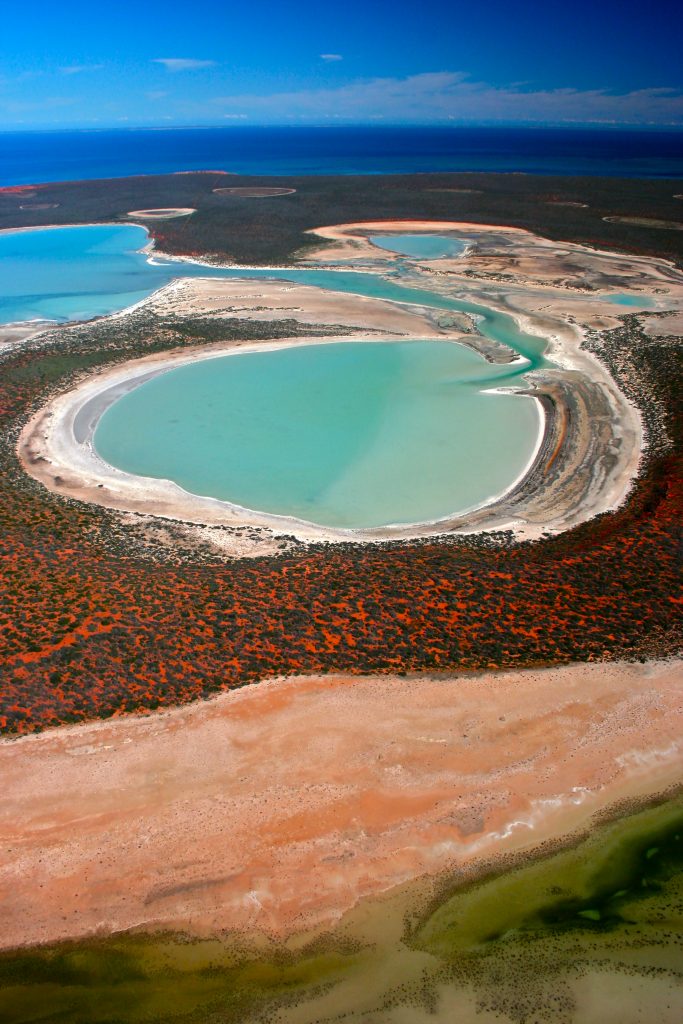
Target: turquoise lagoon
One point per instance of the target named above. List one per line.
(350, 435)
(77, 273)
(624, 299)
(344, 434)
(421, 247)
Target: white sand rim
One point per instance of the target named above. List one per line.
(255, 192)
(166, 213)
(70, 464)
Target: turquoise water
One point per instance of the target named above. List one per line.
(425, 247)
(77, 273)
(349, 434)
(74, 273)
(624, 299)
(387, 435)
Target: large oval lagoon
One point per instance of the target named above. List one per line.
(345, 435)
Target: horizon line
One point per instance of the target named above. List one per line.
(671, 127)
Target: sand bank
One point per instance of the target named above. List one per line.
(264, 299)
(276, 808)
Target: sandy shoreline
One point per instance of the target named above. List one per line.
(593, 441)
(57, 448)
(276, 808)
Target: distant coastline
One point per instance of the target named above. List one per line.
(51, 156)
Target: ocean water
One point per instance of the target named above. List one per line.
(420, 247)
(350, 434)
(32, 157)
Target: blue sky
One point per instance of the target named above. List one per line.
(150, 63)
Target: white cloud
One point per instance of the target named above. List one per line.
(452, 96)
(183, 63)
(330, 57)
(156, 94)
(30, 106)
(77, 69)
(235, 117)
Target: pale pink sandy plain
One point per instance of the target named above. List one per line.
(278, 807)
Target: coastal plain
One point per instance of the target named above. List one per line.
(429, 709)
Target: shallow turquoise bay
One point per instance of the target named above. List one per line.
(74, 273)
(346, 435)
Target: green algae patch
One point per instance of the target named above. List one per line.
(157, 978)
(557, 940)
(592, 884)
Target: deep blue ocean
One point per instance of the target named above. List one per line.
(32, 157)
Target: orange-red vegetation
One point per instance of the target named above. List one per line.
(92, 626)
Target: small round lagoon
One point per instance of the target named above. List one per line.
(626, 299)
(346, 435)
(421, 247)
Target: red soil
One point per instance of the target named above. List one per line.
(89, 629)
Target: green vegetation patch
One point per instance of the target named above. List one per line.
(156, 978)
(524, 945)
(596, 884)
